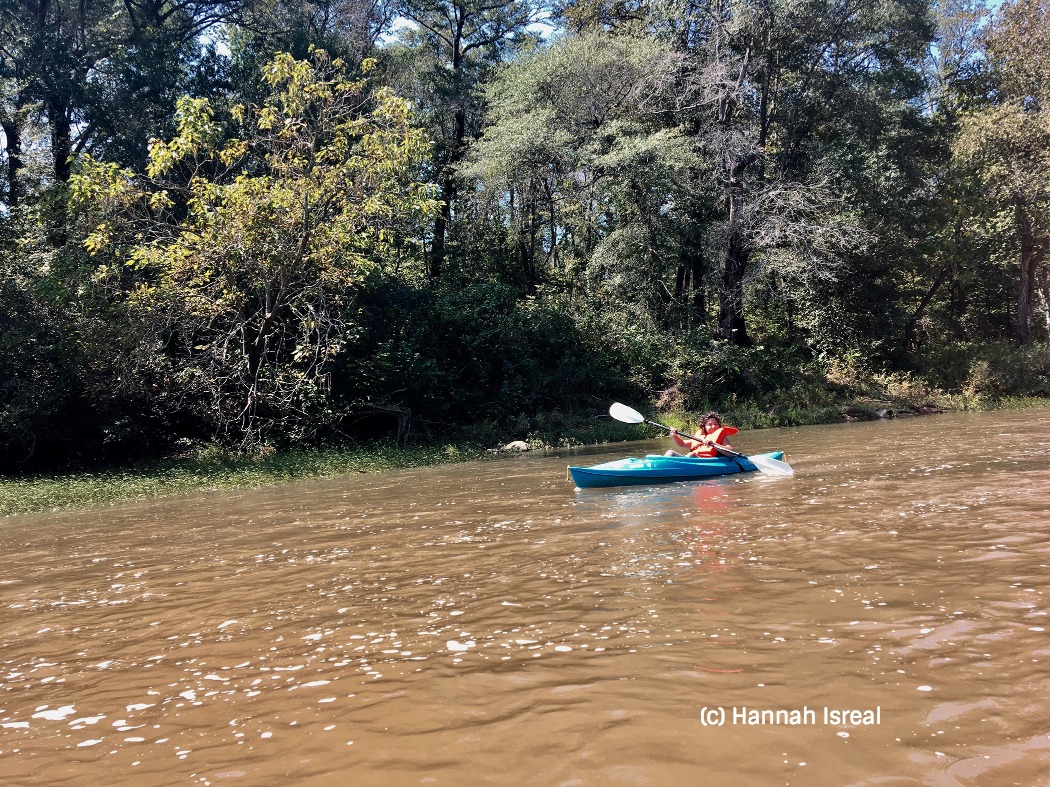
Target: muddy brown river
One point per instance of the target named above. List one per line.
(878, 619)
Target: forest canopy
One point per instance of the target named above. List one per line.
(296, 221)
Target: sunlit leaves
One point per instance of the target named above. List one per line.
(1006, 142)
(1008, 139)
(256, 243)
(197, 133)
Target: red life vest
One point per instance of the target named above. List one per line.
(720, 436)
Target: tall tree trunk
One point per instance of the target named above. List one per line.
(731, 324)
(448, 197)
(552, 266)
(698, 299)
(1033, 249)
(58, 117)
(526, 234)
(61, 138)
(1044, 292)
(436, 263)
(689, 281)
(12, 128)
(660, 294)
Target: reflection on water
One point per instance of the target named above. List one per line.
(487, 623)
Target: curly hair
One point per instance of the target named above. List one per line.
(707, 417)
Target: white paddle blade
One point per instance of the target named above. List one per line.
(772, 466)
(622, 412)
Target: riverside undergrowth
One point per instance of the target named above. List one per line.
(213, 468)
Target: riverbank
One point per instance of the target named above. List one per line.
(212, 469)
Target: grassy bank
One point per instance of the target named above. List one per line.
(212, 469)
(207, 471)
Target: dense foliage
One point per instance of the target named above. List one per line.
(298, 221)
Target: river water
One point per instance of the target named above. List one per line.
(485, 623)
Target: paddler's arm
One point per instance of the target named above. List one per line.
(685, 442)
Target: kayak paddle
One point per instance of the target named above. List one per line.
(622, 412)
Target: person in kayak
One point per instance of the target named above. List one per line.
(704, 440)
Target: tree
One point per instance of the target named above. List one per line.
(347, 29)
(451, 48)
(101, 70)
(727, 154)
(247, 252)
(580, 167)
(1007, 143)
(16, 110)
(792, 93)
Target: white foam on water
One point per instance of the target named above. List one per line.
(57, 714)
(88, 720)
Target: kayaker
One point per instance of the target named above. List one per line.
(704, 440)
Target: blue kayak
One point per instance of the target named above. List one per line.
(654, 469)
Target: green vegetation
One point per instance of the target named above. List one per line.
(211, 470)
(285, 229)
